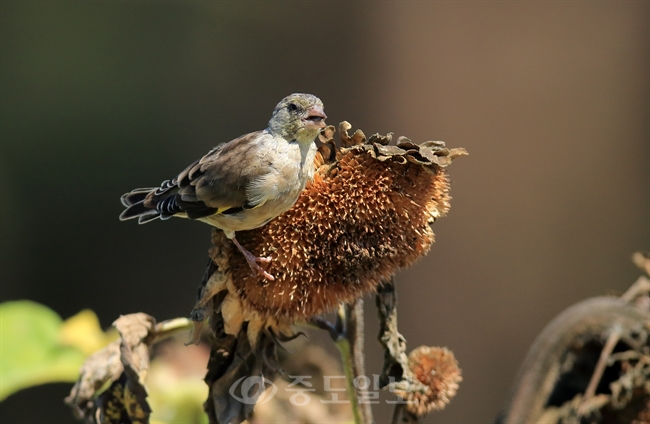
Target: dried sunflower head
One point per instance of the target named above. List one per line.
(436, 369)
(366, 214)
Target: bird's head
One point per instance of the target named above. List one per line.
(298, 117)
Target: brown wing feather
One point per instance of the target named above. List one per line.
(220, 178)
(216, 183)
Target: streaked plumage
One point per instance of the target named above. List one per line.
(244, 183)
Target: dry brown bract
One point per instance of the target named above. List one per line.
(366, 214)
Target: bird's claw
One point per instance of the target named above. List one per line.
(254, 261)
(268, 276)
(259, 270)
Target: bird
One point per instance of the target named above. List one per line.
(244, 183)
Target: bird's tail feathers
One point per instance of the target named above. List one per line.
(136, 208)
(148, 204)
(136, 196)
(149, 215)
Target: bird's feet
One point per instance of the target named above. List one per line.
(254, 261)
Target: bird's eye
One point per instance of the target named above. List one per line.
(292, 107)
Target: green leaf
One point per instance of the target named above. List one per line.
(32, 352)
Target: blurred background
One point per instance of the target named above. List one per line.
(551, 99)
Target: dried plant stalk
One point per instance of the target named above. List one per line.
(426, 379)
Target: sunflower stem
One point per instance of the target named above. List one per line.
(350, 344)
(171, 327)
(344, 347)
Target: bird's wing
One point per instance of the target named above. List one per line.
(220, 179)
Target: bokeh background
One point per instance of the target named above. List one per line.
(551, 99)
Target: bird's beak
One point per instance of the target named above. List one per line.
(315, 117)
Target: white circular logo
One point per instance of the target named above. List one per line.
(252, 388)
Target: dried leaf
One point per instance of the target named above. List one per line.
(389, 150)
(238, 374)
(384, 140)
(346, 141)
(110, 388)
(459, 151)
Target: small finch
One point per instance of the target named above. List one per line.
(244, 183)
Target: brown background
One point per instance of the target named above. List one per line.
(550, 98)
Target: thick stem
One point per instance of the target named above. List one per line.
(170, 328)
(346, 355)
(354, 334)
(395, 359)
(350, 344)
